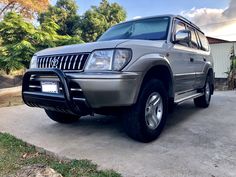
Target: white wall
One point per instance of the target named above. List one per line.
(221, 55)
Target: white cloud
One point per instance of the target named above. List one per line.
(137, 17)
(220, 23)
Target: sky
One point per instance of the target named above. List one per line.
(217, 18)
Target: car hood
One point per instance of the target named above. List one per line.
(80, 48)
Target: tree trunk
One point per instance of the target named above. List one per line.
(8, 71)
(232, 80)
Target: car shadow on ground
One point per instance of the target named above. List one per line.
(113, 126)
(181, 113)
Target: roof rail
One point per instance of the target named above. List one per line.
(188, 21)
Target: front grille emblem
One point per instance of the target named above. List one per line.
(54, 62)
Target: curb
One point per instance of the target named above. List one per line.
(47, 152)
(42, 150)
(10, 90)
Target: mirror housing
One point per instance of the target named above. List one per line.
(183, 37)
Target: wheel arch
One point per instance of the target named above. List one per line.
(153, 66)
(210, 74)
(164, 74)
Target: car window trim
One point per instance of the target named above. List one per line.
(202, 48)
(192, 29)
(174, 30)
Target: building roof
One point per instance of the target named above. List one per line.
(213, 40)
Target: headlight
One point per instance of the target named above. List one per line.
(100, 60)
(107, 60)
(33, 62)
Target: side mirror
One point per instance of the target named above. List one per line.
(183, 37)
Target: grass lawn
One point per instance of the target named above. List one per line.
(15, 154)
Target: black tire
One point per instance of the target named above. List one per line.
(135, 122)
(62, 117)
(171, 105)
(204, 100)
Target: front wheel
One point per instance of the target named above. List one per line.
(62, 117)
(146, 119)
(204, 100)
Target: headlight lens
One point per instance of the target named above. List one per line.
(100, 60)
(33, 62)
(103, 60)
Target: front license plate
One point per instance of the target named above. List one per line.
(49, 87)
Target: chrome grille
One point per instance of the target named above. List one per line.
(63, 62)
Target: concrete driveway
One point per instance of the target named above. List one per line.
(195, 142)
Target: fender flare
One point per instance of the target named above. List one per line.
(146, 63)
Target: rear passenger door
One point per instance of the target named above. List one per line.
(202, 59)
(196, 56)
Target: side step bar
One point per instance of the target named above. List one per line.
(188, 97)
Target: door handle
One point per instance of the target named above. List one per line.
(204, 59)
(191, 59)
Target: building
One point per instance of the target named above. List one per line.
(221, 52)
(212, 40)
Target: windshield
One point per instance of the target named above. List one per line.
(147, 29)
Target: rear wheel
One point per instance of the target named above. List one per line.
(146, 119)
(62, 117)
(204, 100)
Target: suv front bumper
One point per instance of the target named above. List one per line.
(80, 93)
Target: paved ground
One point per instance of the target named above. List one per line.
(195, 142)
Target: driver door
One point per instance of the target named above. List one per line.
(181, 62)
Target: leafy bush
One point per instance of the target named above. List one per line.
(60, 25)
(21, 39)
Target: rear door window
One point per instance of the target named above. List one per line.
(194, 42)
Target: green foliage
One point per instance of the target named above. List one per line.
(233, 63)
(47, 36)
(93, 25)
(14, 155)
(14, 28)
(59, 25)
(17, 48)
(21, 39)
(64, 13)
(99, 19)
(232, 70)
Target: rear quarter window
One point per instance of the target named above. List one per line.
(204, 41)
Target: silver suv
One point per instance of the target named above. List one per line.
(140, 68)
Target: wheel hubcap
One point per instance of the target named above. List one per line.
(207, 91)
(154, 110)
